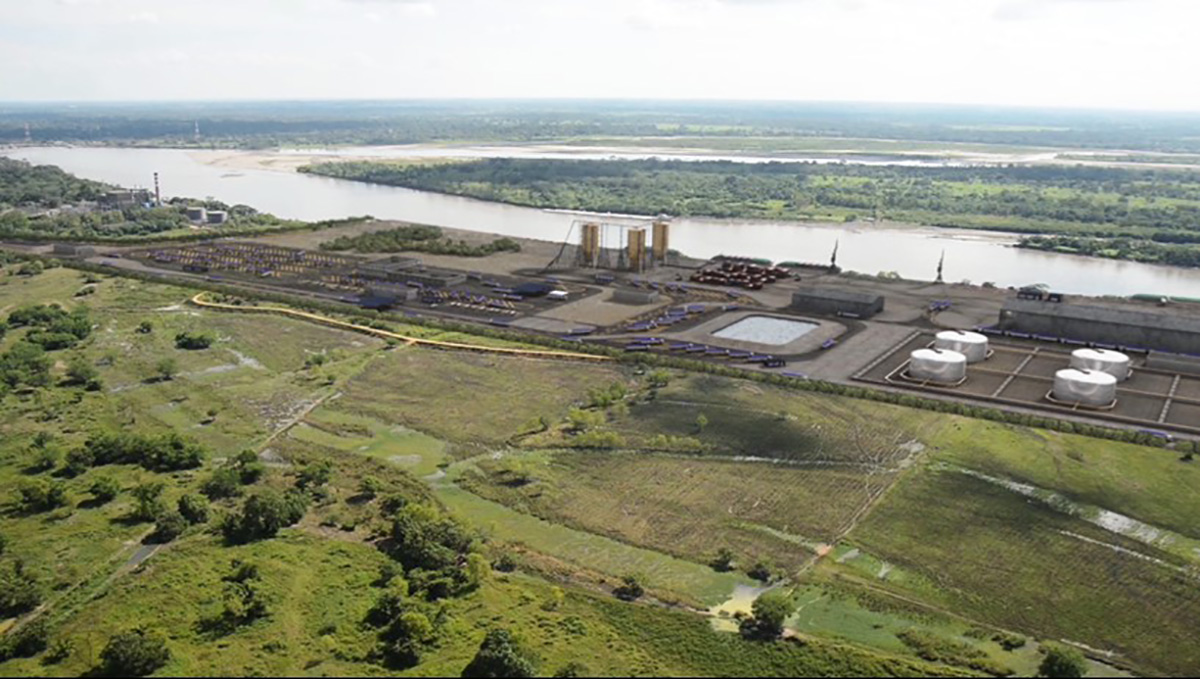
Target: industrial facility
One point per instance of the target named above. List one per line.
(1123, 362)
(1108, 324)
(838, 302)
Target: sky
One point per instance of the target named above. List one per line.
(1130, 54)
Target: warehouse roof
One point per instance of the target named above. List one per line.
(1170, 320)
(838, 295)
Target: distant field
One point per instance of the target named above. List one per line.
(473, 398)
(784, 144)
(1022, 565)
(688, 506)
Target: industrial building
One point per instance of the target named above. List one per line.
(635, 296)
(217, 216)
(396, 268)
(73, 250)
(837, 302)
(122, 198)
(197, 215)
(1104, 324)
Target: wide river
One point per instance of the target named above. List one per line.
(911, 251)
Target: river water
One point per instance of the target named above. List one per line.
(911, 251)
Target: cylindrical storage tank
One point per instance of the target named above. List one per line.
(937, 365)
(970, 344)
(1101, 360)
(1087, 387)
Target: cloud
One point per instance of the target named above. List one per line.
(1020, 10)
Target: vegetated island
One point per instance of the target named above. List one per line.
(1156, 206)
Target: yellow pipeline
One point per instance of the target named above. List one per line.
(199, 300)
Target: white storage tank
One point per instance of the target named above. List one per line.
(937, 365)
(970, 344)
(1086, 387)
(1101, 360)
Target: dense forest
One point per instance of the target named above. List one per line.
(1162, 205)
(264, 124)
(43, 185)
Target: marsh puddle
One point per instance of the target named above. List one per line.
(1110, 521)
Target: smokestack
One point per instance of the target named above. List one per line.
(157, 194)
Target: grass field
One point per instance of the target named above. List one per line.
(1149, 484)
(474, 399)
(1023, 565)
(686, 506)
(930, 539)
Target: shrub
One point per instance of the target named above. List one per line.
(25, 642)
(105, 489)
(45, 459)
(193, 340)
(769, 611)
(194, 508)
(166, 369)
(19, 591)
(135, 653)
(723, 562)
(222, 483)
(629, 589)
(149, 498)
(314, 475)
(263, 515)
(169, 526)
(500, 655)
(1062, 661)
(760, 571)
(249, 468)
(37, 495)
(79, 461)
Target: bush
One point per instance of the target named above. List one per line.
(1062, 661)
(79, 461)
(81, 372)
(760, 571)
(223, 483)
(26, 641)
(166, 369)
(194, 508)
(370, 486)
(193, 340)
(45, 459)
(19, 591)
(723, 562)
(135, 653)
(105, 489)
(500, 655)
(248, 467)
(170, 525)
(263, 515)
(629, 589)
(769, 611)
(314, 475)
(149, 498)
(38, 495)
